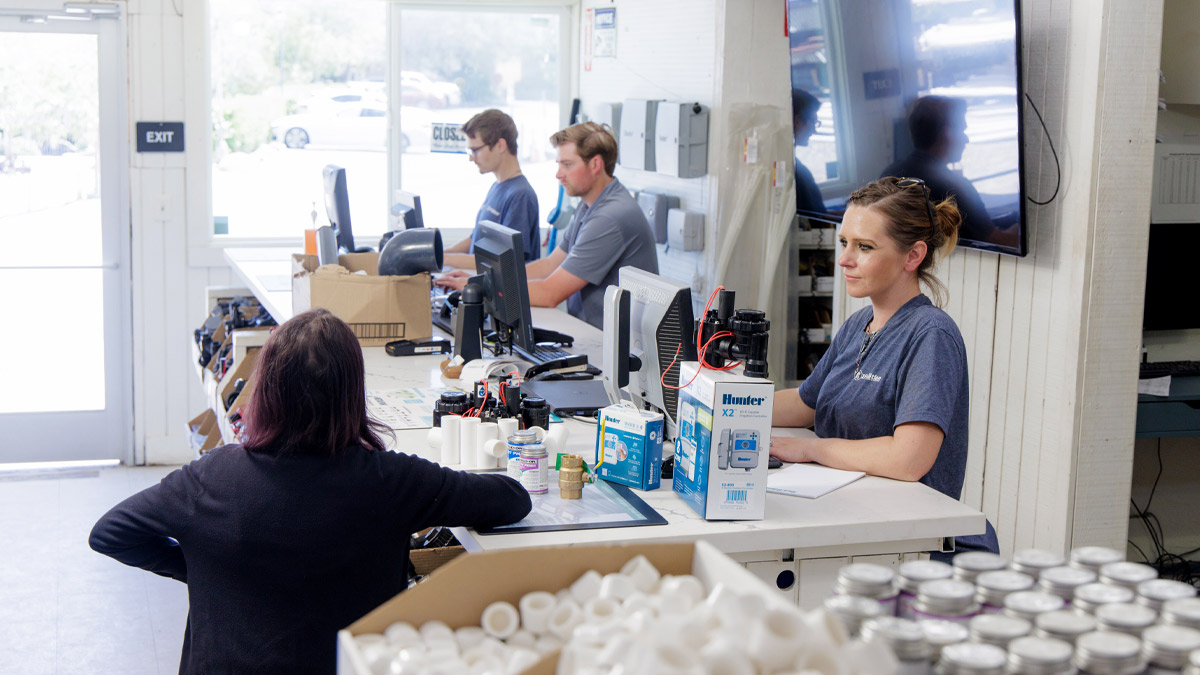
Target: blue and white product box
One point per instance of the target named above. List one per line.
(724, 443)
(629, 446)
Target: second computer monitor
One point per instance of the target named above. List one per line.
(662, 335)
(500, 260)
(405, 214)
(337, 206)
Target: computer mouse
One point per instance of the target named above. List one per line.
(774, 463)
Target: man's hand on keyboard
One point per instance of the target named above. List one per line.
(453, 280)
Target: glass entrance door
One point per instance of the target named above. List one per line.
(65, 391)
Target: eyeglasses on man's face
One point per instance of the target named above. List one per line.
(473, 150)
(909, 182)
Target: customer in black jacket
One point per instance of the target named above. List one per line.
(304, 528)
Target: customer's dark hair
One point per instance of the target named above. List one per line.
(309, 393)
(804, 104)
(590, 139)
(490, 126)
(930, 115)
(908, 221)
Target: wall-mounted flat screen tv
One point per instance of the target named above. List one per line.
(924, 89)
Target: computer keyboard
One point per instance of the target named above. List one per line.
(1172, 368)
(547, 353)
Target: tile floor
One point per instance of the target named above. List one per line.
(66, 609)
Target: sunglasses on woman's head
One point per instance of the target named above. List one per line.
(909, 182)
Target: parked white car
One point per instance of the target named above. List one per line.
(418, 89)
(355, 126)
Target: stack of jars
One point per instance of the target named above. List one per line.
(1038, 614)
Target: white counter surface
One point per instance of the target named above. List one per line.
(871, 515)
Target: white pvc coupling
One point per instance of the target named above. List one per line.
(500, 620)
(536, 608)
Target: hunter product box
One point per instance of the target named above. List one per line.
(380, 309)
(629, 445)
(724, 442)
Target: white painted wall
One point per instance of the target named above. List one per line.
(1053, 337)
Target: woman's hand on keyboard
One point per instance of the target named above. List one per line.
(453, 280)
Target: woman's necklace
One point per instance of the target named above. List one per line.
(868, 339)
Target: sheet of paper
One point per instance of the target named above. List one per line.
(1155, 386)
(404, 408)
(809, 480)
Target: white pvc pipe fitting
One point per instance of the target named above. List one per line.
(556, 440)
(500, 620)
(586, 587)
(496, 449)
(644, 574)
(565, 617)
(777, 638)
(468, 441)
(522, 638)
(487, 432)
(601, 610)
(451, 425)
(616, 586)
(507, 425)
(536, 608)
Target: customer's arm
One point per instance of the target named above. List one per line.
(907, 454)
(430, 495)
(544, 267)
(138, 531)
(457, 256)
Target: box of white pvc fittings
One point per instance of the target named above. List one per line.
(458, 592)
(724, 439)
(629, 446)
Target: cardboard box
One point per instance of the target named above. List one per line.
(724, 439)
(629, 446)
(380, 309)
(458, 592)
(199, 428)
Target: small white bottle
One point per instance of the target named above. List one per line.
(1125, 617)
(1094, 557)
(971, 564)
(1032, 561)
(1066, 625)
(1062, 581)
(912, 575)
(906, 640)
(970, 658)
(869, 581)
(1029, 604)
(1106, 653)
(992, 587)
(1127, 574)
(998, 629)
(948, 599)
(1156, 592)
(1039, 656)
(1166, 648)
(1182, 612)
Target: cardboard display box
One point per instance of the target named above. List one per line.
(724, 438)
(458, 592)
(380, 309)
(202, 430)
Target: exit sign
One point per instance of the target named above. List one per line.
(160, 136)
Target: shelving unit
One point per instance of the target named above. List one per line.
(812, 261)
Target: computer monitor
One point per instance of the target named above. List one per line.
(500, 261)
(662, 335)
(337, 206)
(405, 214)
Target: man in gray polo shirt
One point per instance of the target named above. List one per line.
(609, 230)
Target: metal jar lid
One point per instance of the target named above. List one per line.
(1090, 596)
(1029, 604)
(969, 658)
(946, 597)
(903, 636)
(1125, 617)
(1094, 557)
(1168, 646)
(939, 633)
(998, 629)
(992, 587)
(523, 437)
(1032, 561)
(1108, 653)
(852, 610)
(1182, 612)
(968, 565)
(914, 572)
(1127, 573)
(867, 580)
(1156, 592)
(1062, 581)
(1032, 655)
(1064, 624)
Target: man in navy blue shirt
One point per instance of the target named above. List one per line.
(492, 146)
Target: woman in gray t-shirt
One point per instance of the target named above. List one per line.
(890, 396)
